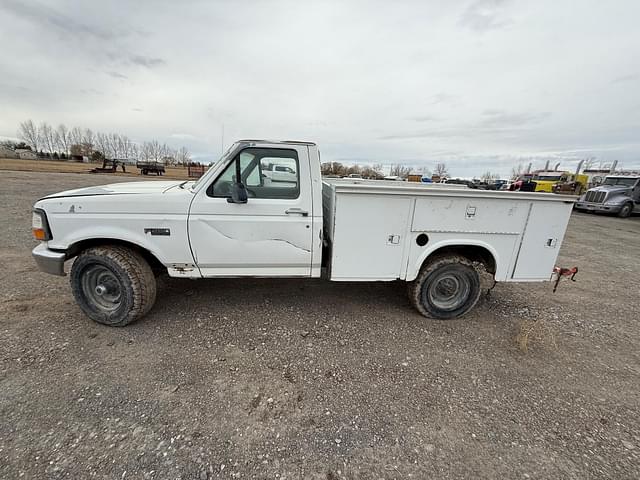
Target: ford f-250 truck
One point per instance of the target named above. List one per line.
(238, 221)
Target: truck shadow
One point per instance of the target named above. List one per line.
(308, 294)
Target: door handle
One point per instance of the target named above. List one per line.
(298, 211)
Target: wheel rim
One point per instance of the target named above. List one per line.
(449, 290)
(101, 286)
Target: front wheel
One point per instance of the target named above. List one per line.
(446, 288)
(113, 285)
(626, 210)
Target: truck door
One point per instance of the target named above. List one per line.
(271, 234)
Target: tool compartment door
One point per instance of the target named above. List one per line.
(541, 240)
(369, 236)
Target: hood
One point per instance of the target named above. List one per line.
(129, 188)
(611, 188)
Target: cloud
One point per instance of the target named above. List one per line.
(465, 82)
(492, 121)
(499, 119)
(45, 16)
(144, 61)
(134, 59)
(424, 118)
(443, 97)
(484, 15)
(626, 78)
(117, 75)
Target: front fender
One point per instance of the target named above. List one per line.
(172, 248)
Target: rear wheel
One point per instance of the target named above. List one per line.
(113, 285)
(626, 210)
(446, 288)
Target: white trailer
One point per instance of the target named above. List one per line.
(234, 222)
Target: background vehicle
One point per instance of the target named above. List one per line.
(560, 182)
(110, 166)
(619, 194)
(150, 167)
(236, 221)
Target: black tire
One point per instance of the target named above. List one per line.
(447, 287)
(626, 210)
(113, 285)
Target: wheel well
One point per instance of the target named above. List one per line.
(75, 249)
(474, 253)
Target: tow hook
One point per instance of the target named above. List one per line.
(559, 272)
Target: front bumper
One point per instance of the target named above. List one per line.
(49, 261)
(597, 207)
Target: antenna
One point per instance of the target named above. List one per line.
(222, 140)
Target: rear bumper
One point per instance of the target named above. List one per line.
(597, 207)
(49, 261)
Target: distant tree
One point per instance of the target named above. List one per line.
(87, 140)
(28, 133)
(182, 155)
(63, 156)
(370, 172)
(517, 171)
(354, 170)
(97, 156)
(101, 143)
(48, 136)
(11, 145)
(75, 136)
(56, 156)
(76, 150)
(441, 170)
(401, 171)
(489, 177)
(62, 138)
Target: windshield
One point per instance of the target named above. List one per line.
(548, 178)
(627, 182)
(222, 159)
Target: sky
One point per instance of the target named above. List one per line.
(481, 85)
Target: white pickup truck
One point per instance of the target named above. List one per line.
(234, 222)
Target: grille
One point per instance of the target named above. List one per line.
(595, 197)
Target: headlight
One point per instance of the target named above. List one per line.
(39, 225)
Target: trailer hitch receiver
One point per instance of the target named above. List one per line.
(559, 272)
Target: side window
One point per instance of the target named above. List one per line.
(266, 172)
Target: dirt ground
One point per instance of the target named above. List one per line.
(12, 164)
(292, 379)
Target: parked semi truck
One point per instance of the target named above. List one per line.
(619, 194)
(235, 222)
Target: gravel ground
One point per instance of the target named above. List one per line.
(309, 379)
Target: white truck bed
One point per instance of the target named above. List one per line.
(371, 228)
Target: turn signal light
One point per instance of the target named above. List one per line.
(39, 234)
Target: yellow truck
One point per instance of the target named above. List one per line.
(560, 182)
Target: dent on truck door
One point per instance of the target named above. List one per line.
(271, 234)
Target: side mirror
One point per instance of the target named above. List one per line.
(238, 193)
